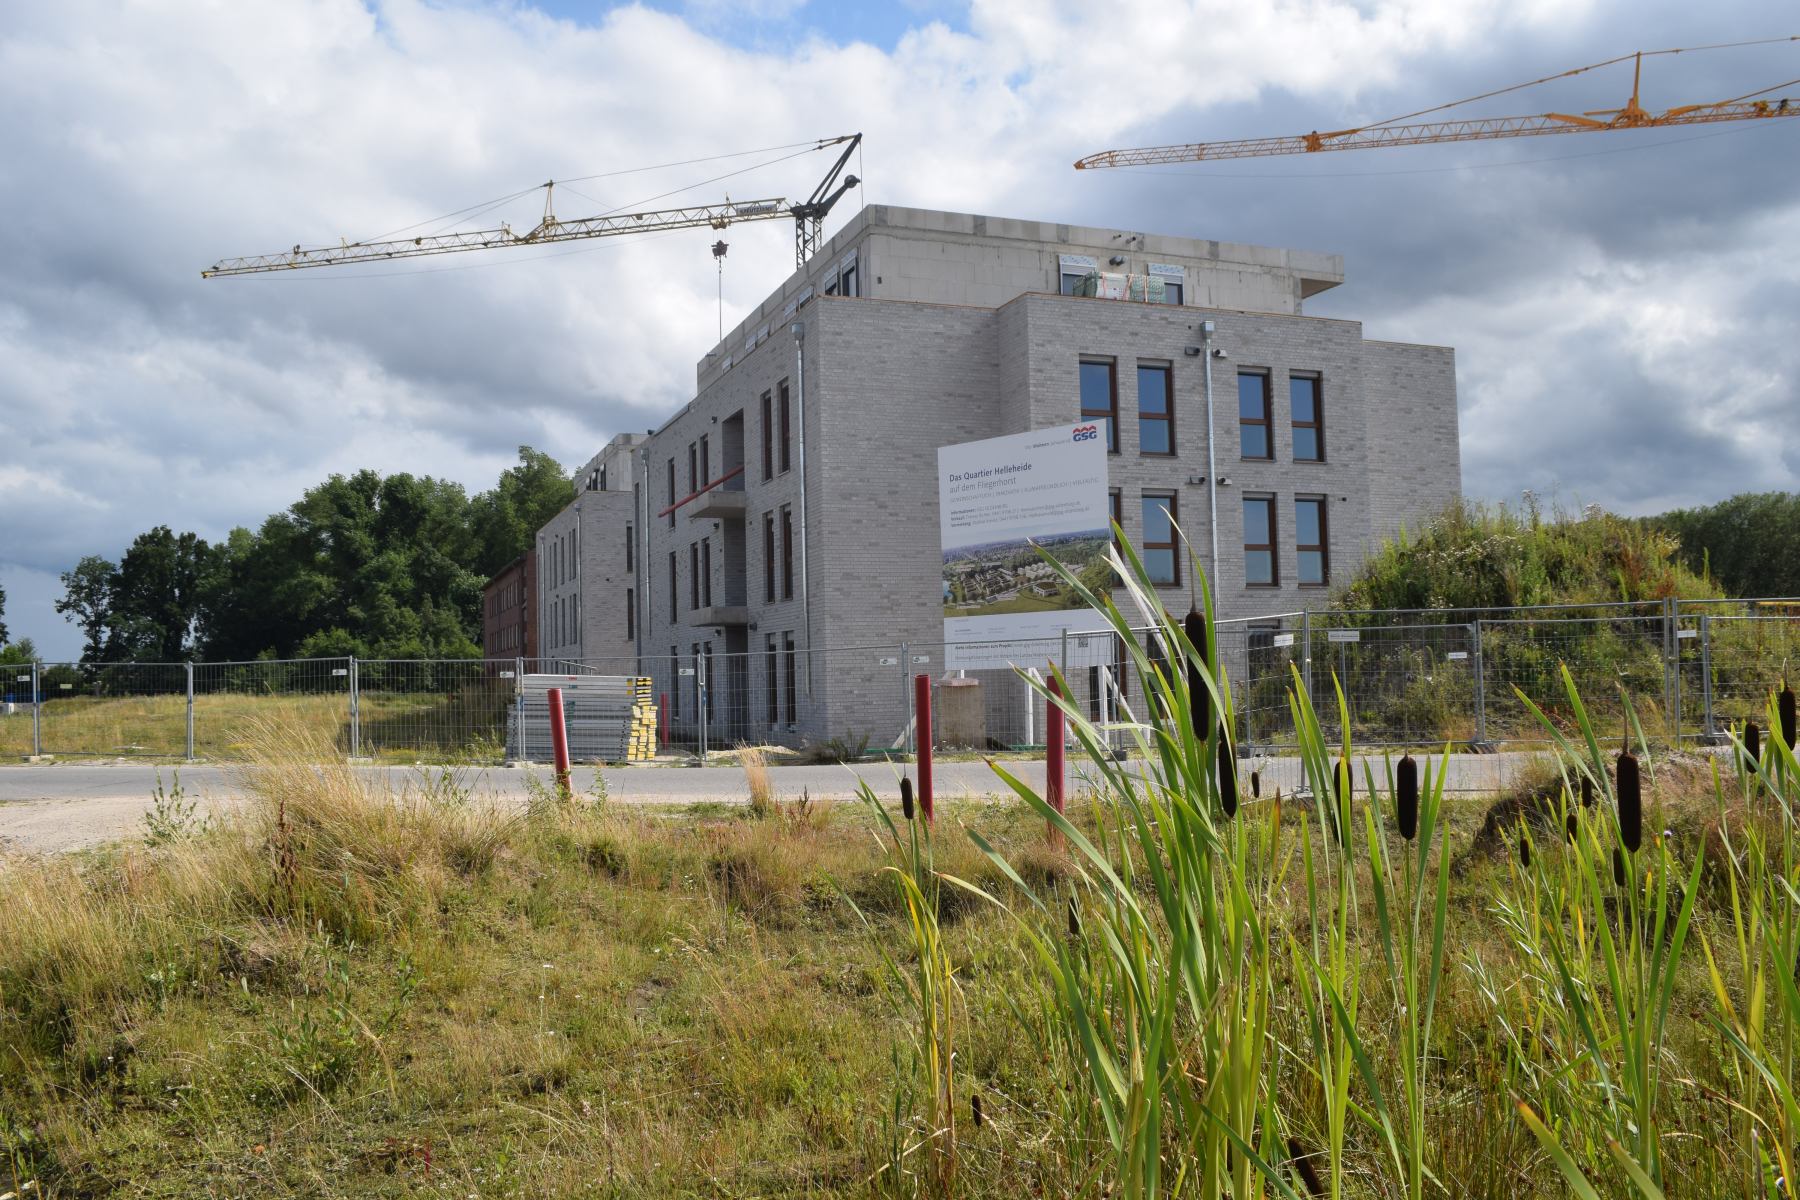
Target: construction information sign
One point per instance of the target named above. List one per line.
(999, 502)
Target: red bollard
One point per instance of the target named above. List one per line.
(922, 723)
(1054, 768)
(559, 741)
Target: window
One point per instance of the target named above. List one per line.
(600, 479)
(1100, 400)
(705, 572)
(630, 617)
(705, 464)
(1253, 417)
(693, 468)
(1171, 277)
(672, 496)
(768, 434)
(629, 557)
(693, 574)
(1309, 422)
(793, 674)
(769, 557)
(1161, 562)
(787, 554)
(1259, 541)
(674, 693)
(674, 593)
(786, 427)
(1073, 268)
(1156, 411)
(1172, 292)
(1115, 502)
(774, 672)
(1309, 541)
(849, 284)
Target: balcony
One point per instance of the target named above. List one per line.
(720, 614)
(718, 505)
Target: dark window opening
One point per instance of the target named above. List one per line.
(1161, 562)
(793, 674)
(769, 557)
(1100, 400)
(768, 435)
(672, 496)
(1259, 541)
(786, 427)
(1253, 417)
(774, 672)
(630, 616)
(674, 591)
(629, 552)
(1313, 563)
(1156, 411)
(787, 554)
(705, 572)
(1309, 422)
(693, 575)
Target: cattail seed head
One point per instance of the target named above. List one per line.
(1569, 827)
(1784, 707)
(975, 1109)
(1524, 850)
(1228, 791)
(906, 800)
(1256, 785)
(1342, 779)
(1199, 699)
(1618, 866)
(1074, 920)
(1631, 803)
(1406, 800)
(1753, 741)
(1301, 1158)
(1587, 792)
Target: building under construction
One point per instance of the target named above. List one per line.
(780, 541)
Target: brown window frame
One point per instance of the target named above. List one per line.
(787, 427)
(787, 554)
(1323, 547)
(630, 616)
(674, 590)
(705, 462)
(693, 576)
(769, 558)
(630, 550)
(693, 467)
(768, 434)
(1267, 422)
(706, 572)
(774, 651)
(793, 676)
(1271, 546)
(674, 692)
(1317, 424)
(1166, 417)
(1173, 546)
(1109, 415)
(672, 496)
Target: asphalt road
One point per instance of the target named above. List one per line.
(50, 807)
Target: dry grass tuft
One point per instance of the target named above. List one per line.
(755, 761)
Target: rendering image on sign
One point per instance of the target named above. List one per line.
(999, 502)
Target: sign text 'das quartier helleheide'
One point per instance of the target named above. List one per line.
(1001, 500)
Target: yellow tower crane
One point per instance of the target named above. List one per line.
(1749, 107)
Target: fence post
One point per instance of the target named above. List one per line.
(1306, 651)
(559, 741)
(355, 713)
(1706, 697)
(1480, 691)
(700, 703)
(922, 723)
(190, 711)
(1671, 674)
(519, 706)
(37, 708)
(1054, 768)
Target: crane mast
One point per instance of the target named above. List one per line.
(809, 221)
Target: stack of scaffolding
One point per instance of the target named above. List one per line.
(608, 718)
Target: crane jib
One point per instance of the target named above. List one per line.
(1437, 132)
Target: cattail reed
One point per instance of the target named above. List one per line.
(1587, 792)
(1524, 848)
(975, 1109)
(1570, 828)
(1256, 785)
(1074, 920)
(1301, 1158)
(1784, 707)
(1631, 803)
(1199, 699)
(1618, 866)
(1341, 777)
(1753, 741)
(1406, 802)
(1228, 787)
(906, 801)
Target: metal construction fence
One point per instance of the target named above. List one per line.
(1687, 671)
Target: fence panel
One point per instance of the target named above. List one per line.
(1749, 657)
(1609, 658)
(102, 708)
(310, 698)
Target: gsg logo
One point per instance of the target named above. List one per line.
(1087, 433)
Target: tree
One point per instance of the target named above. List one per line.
(1750, 543)
(506, 520)
(87, 602)
(155, 596)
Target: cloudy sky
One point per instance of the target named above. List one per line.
(1622, 304)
